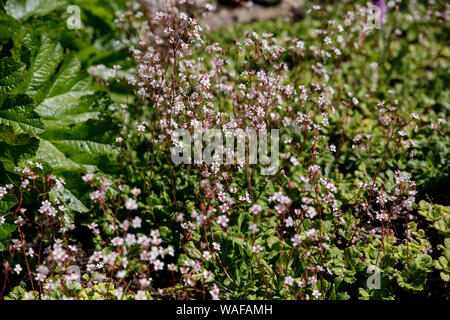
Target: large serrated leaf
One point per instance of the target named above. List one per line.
(11, 74)
(72, 106)
(38, 78)
(74, 133)
(23, 9)
(18, 112)
(70, 79)
(77, 137)
(55, 114)
(14, 148)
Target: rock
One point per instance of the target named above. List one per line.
(258, 12)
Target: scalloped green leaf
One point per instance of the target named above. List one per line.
(424, 261)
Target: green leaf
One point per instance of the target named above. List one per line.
(241, 220)
(17, 111)
(14, 148)
(71, 119)
(445, 276)
(11, 74)
(23, 9)
(6, 230)
(343, 296)
(74, 133)
(432, 212)
(5, 206)
(8, 26)
(70, 79)
(441, 263)
(424, 261)
(447, 242)
(77, 145)
(438, 214)
(38, 78)
(68, 198)
(273, 243)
